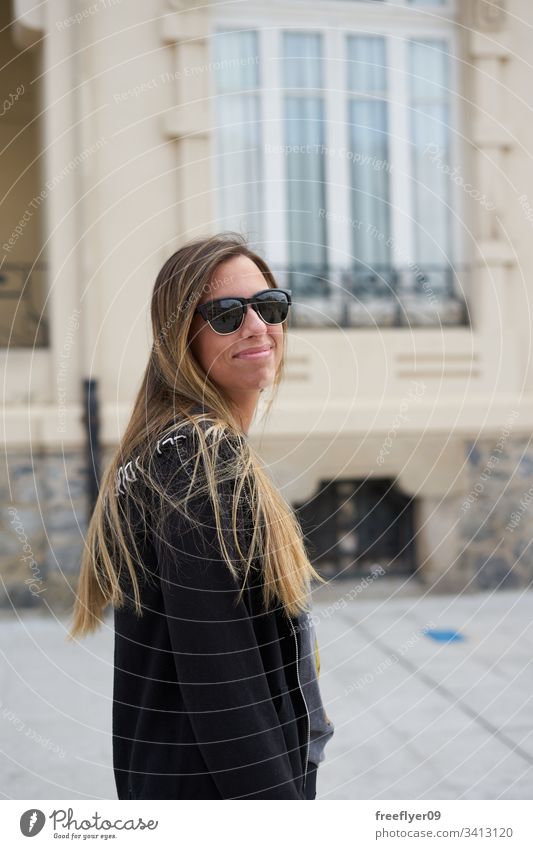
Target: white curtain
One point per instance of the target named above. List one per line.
(304, 127)
(238, 133)
(368, 150)
(430, 136)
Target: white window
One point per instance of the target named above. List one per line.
(335, 142)
(368, 137)
(304, 116)
(238, 156)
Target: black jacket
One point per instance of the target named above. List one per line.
(207, 702)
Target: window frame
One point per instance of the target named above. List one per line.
(399, 22)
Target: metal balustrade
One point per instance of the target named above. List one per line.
(359, 296)
(22, 324)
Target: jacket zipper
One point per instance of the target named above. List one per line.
(305, 703)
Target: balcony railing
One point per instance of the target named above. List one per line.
(428, 296)
(22, 324)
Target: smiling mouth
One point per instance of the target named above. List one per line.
(254, 355)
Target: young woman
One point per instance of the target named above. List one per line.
(216, 663)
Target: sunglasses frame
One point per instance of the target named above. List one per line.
(244, 302)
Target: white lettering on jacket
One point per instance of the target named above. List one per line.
(126, 473)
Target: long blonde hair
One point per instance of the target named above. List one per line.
(173, 388)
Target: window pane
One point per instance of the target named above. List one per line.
(367, 125)
(429, 70)
(236, 60)
(367, 64)
(237, 111)
(368, 146)
(304, 116)
(430, 129)
(302, 65)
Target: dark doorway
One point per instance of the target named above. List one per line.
(351, 525)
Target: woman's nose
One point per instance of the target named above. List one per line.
(253, 323)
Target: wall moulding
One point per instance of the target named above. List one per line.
(28, 23)
(185, 20)
(183, 5)
(487, 15)
(187, 26)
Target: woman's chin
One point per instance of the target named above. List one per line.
(255, 379)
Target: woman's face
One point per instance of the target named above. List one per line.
(223, 357)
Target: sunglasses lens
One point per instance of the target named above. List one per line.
(273, 307)
(225, 316)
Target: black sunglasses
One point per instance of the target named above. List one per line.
(225, 315)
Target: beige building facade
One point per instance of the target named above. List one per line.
(412, 404)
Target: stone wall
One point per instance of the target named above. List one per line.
(496, 527)
(43, 521)
(479, 540)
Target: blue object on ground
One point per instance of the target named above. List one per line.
(443, 636)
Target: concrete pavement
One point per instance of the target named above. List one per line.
(414, 718)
